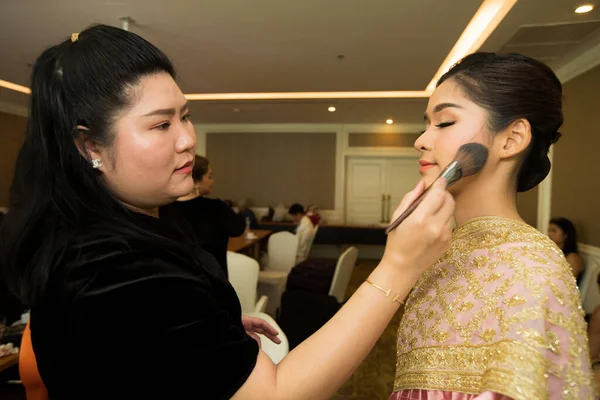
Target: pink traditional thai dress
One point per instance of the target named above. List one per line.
(497, 317)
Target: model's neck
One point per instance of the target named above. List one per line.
(485, 200)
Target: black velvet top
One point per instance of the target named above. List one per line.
(211, 221)
(132, 321)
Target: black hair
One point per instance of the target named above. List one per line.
(295, 209)
(56, 196)
(568, 228)
(201, 165)
(513, 86)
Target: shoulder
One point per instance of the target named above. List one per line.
(109, 267)
(574, 258)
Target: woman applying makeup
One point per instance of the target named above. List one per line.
(499, 315)
(123, 305)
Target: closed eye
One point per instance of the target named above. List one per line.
(444, 124)
(163, 127)
(186, 117)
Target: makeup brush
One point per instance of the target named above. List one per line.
(469, 160)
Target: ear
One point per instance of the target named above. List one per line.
(515, 139)
(88, 149)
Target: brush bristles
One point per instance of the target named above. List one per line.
(471, 157)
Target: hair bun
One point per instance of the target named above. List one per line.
(533, 172)
(555, 138)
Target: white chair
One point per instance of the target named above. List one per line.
(305, 244)
(281, 258)
(590, 293)
(343, 272)
(276, 352)
(243, 276)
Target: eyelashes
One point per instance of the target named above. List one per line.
(441, 125)
(166, 125)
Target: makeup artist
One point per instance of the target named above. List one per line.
(121, 307)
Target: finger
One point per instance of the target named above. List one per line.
(273, 338)
(433, 201)
(408, 199)
(266, 332)
(446, 211)
(247, 322)
(267, 328)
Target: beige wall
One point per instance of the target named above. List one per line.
(576, 176)
(12, 132)
(527, 203)
(273, 168)
(382, 139)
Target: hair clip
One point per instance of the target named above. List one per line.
(74, 37)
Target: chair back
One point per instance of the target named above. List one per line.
(306, 244)
(590, 293)
(281, 250)
(342, 274)
(243, 276)
(28, 371)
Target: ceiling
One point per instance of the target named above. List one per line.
(272, 46)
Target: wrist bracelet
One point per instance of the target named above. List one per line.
(387, 292)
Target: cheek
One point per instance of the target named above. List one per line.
(145, 155)
(449, 140)
(446, 146)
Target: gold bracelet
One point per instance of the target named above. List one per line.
(387, 292)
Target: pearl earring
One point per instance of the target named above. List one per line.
(96, 163)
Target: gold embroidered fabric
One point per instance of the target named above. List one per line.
(500, 312)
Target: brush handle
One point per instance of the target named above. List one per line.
(406, 212)
(451, 174)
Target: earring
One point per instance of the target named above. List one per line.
(96, 163)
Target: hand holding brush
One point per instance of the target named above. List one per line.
(469, 160)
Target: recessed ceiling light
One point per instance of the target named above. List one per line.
(389, 121)
(584, 9)
(331, 109)
(236, 110)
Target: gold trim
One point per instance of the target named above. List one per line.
(475, 369)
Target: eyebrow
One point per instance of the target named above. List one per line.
(440, 107)
(167, 111)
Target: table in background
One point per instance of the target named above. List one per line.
(8, 361)
(240, 244)
(337, 234)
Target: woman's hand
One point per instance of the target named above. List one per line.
(254, 325)
(425, 235)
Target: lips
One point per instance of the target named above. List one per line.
(187, 164)
(185, 169)
(425, 165)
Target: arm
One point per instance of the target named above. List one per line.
(233, 224)
(319, 366)
(594, 334)
(576, 264)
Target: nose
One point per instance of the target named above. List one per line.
(186, 139)
(424, 142)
